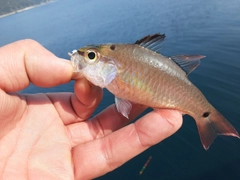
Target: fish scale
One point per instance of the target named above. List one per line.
(139, 73)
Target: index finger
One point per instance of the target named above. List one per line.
(27, 61)
(105, 154)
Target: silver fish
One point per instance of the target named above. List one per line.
(139, 73)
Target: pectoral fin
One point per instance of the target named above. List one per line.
(108, 73)
(123, 106)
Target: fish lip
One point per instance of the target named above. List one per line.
(76, 60)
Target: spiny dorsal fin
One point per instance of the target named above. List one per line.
(187, 62)
(152, 42)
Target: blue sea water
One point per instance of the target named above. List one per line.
(210, 28)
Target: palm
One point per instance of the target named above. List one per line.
(38, 145)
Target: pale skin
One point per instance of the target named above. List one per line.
(50, 136)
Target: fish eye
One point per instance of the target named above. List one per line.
(91, 55)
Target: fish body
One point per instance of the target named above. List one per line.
(139, 73)
(155, 81)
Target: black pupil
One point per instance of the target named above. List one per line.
(91, 55)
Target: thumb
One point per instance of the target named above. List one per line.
(26, 61)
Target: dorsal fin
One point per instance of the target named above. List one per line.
(187, 62)
(152, 42)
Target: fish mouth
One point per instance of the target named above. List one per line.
(77, 60)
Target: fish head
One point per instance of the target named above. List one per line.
(92, 61)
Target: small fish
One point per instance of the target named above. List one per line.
(138, 73)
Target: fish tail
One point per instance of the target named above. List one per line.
(212, 124)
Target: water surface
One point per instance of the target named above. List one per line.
(210, 28)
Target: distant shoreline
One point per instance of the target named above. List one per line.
(25, 9)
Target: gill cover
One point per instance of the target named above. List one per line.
(89, 62)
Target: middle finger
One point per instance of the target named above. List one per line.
(104, 123)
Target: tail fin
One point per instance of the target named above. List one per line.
(213, 124)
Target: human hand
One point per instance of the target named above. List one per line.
(47, 136)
